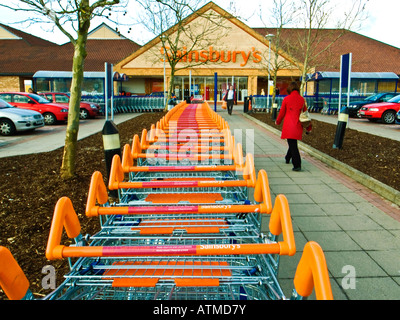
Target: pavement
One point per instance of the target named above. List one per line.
(358, 230)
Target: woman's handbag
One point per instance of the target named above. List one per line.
(305, 119)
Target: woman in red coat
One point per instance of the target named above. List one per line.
(292, 129)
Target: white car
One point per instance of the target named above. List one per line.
(198, 97)
(13, 119)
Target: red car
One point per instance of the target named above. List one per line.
(385, 111)
(52, 112)
(88, 110)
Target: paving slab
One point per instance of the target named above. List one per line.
(358, 230)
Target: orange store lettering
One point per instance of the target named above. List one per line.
(212, 55)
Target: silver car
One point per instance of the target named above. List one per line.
(14, 119)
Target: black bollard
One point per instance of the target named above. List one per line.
(341, 128)
(274, 111)
(112, 147)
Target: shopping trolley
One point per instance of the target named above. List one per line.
(183, 179)
(111, 279)
(126, 259)
(176, 232)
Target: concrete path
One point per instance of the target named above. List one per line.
(358, 230)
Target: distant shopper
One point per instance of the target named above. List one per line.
(230, 98)
(292, 130)
(30, 90)
(172, 100)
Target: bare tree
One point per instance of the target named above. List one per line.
(184, 32)
(281, 15)
(310, 43)
(76, 15)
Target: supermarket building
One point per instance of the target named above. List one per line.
(237, 55)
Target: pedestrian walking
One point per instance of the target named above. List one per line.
(292, 130)
(230, 98)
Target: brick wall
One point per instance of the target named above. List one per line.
(9, 83)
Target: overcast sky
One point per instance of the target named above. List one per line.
(381, 24)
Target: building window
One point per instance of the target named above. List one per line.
(386, 86)
(205, 86)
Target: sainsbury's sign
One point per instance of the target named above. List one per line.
(211, 55)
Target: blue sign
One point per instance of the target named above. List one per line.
(345, 71)
(109, 79)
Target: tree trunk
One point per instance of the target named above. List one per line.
(170, 87)
(71, 138)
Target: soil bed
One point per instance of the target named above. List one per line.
(30, 189)
(31, 186)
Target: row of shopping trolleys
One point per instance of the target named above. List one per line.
(186, 224)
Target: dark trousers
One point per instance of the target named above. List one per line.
(293, 153)
(229, 105)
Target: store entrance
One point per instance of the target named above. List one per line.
(185, 87)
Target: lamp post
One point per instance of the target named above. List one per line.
(163, 38)
(269, 38)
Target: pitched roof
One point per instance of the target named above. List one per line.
(99, 52)
(369, 55)
(28, 54)
(26, 38)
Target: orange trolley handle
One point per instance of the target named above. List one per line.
(281, 223)
(117, 175)
(65, 215)
(12, 279)
(312, 272)
(128, 155)
(98, 195)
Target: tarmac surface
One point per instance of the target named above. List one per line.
(390, 131)
(358, 230)
(49, 138)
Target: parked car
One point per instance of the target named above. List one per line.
(355, 106)
(52, 112)
(88, 109)
(385, 111)
(398, 118)
(197, 98)
(158, 94)
(13, 119)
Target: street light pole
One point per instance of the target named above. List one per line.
(163, 38)
(269, 38)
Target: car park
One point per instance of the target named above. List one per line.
(87, 109)
(355, 106)
(385, 111)
(52, 112)
(13, 119)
